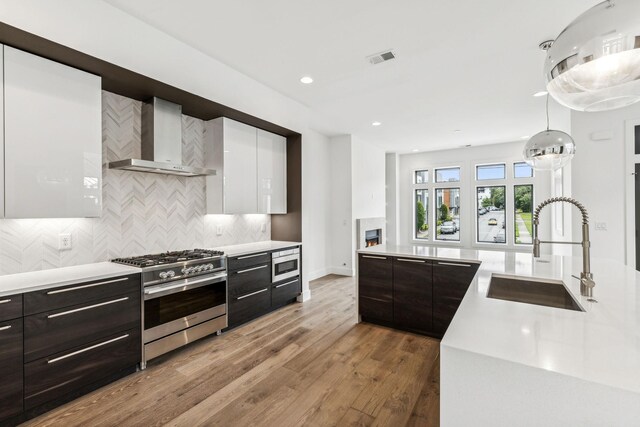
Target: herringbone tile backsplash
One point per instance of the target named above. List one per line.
(141, 212)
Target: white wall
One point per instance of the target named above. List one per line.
(599, 179)
(316, 198)
(466, 158)
(100, 30)
(341, 218)
(391, 195)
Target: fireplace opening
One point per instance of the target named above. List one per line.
(373, 237)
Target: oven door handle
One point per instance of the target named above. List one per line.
(158, 291)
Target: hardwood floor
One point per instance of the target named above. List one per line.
(307, 364)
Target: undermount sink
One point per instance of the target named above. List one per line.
(530, 290)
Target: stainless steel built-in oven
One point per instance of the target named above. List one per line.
(285, 264)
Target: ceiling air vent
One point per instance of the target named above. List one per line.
(381, 57)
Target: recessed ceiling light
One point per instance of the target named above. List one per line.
(525, 137)
(457, 131)
(376, 124)
(539, 94)
(306, 80)
(415, 150)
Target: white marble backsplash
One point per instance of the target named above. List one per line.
(141, 212)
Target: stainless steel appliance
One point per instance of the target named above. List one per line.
(185, 298)
(285, 264)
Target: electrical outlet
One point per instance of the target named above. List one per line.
(263, 227)
(601, 226)
(219, 230)
(64, 242)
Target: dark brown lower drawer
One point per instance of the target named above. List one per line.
(283, 292)
(249, 306)
(53, 377)
(10, 307)
(10, 368)
(59, 330)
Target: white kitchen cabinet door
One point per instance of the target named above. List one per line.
(272, 173)
(240, 182)
(53, 139)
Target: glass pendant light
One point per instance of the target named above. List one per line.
(549, 149)
(594, 64)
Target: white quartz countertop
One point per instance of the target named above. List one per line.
(56, 277)
(601, 344)
(249, 248)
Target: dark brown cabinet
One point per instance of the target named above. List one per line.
(10, 307)
(249, 288)
(10, 367)
(375, 288)
(285, 292)
(450, 282)
(412, 294)
(77, 336)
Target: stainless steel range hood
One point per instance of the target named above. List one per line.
(161, 142)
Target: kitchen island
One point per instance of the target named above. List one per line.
(510, 363)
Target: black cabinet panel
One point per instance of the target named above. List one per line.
(375, 287)
(245, 307)
(55, 376)
(450, 283)
(64, 328)
(10, 307)
(249, 260)
(80, 293)
(10, 368)
(285, 292)
(412, 294)
(245, 281)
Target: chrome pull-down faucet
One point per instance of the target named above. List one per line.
(586, 277)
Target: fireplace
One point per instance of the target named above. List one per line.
(370, 232)
(373, 237)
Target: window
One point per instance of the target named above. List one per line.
(522, 170)
(490, 219)
(422, 215)
(485, 172)
(448, 213)
(448, 175)
(523, 205)
(422, 177)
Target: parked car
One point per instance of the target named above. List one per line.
(493, 221)
(500, 237)
(482, 211)
(448, 227)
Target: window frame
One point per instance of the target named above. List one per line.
(415, 176)
(415, 201)
(503, 164)
(533, 171)
(504, 216)
(435, 213)
(533, 204)
(435, 175)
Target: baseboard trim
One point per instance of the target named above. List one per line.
(341, 271)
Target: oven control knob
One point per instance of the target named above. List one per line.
(171, 274)
(163, 275)
(188, 270)
(199, 268)
(209, 266)
(184, 270)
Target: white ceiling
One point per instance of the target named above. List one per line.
(462, 65)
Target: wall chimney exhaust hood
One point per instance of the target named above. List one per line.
(161, 142)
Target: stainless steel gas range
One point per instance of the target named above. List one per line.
(185, 298)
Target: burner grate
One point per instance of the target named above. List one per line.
(168, 257)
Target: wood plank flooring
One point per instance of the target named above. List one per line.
(307, 364)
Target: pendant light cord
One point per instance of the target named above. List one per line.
(547, 112)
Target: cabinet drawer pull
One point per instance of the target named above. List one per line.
(285, 284)
(252, 256)
(60, 291)
(412, 260)
(75, 353)
(89, 307)
(4, 328)
(252, 269)
(253, 293)
(4, 301)
(374, 257)
(454, 264)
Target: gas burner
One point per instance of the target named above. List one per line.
(169, 257)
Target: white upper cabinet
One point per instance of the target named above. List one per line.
(251, 169)
(52, 139)
(272, 173)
